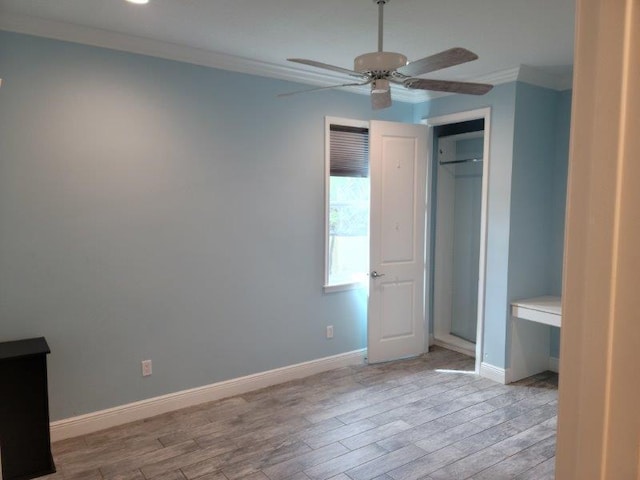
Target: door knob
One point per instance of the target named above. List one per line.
(375, 274)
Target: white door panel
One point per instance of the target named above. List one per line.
(398, 156)
(398, 165)
(398, 302)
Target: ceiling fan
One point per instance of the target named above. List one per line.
(380, 69)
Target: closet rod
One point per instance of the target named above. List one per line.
(461, 161)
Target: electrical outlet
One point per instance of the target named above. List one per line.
(146, 368)
(329, 331)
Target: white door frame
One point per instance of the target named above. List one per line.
(485, 114)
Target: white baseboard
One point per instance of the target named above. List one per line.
(456, 348)
(111, 417)
(554, 364)
(494, 373)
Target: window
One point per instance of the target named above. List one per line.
(347, 209)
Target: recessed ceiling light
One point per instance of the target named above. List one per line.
(138, 2)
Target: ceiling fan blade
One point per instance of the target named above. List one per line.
(315, 89)
(326, 66)
(448, 58)
(448, 86)
(380, 100)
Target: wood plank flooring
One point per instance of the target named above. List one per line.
(426, 418)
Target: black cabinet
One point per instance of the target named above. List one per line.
(25, 445)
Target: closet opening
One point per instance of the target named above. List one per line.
(457, 217)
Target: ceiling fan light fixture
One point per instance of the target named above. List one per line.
(380, 85)
(379, 62)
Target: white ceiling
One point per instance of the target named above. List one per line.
(236, 34)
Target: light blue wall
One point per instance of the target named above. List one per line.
(559, 189)
(540, 173)
(531, 268)
(466, 249)
(558, 204)
(466, 243)
(502, 102)
(541, 153)
(534, 156)
(155, 209)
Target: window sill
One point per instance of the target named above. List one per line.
(344, 287)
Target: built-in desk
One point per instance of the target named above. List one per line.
(531, 322)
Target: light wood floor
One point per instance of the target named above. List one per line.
(426, 418)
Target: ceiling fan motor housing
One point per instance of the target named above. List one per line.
(379, 62)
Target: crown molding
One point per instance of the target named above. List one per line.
(528, 74)
(500, 77)
(128, 43)
(144, 46)
(541, 78)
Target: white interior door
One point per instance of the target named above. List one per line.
(398, 161)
